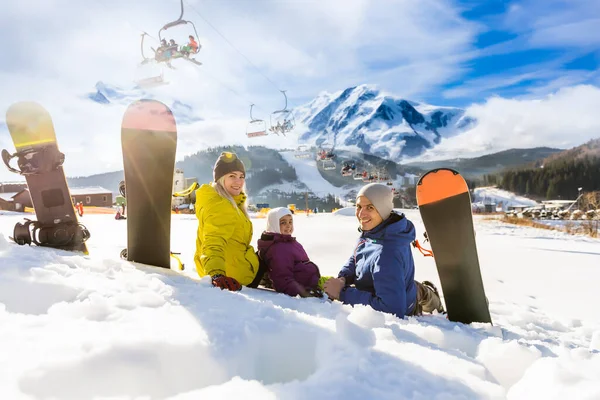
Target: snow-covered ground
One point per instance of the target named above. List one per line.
(575, 226)
(97, 327)
(488, 195)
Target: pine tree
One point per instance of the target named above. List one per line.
(551, 192)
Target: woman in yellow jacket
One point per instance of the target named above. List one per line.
(223, 248)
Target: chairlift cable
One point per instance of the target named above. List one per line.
(230, 89)
(231, 44)
(135, 28)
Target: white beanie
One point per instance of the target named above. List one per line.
(273, 217)
(381, 196)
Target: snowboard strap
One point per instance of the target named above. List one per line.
(187, 191)
(34, 161)
(425, 252)
(180, 264)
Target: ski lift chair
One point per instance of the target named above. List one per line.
(346, 170)
(302, 152)
(283, 119)
(256, 127)
(177, 53)
(328, 164)
(152, 82)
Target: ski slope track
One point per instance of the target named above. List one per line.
(502, 198)
(99, 327)
(308, 173)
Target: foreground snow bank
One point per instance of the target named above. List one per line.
(95, 326)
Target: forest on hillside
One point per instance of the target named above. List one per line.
(557, 177)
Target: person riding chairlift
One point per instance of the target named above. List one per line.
(287, 125)
(191, 47)
(166, 50)
(162, 48)
(277, 128)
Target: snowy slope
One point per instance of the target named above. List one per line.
(308, 174)
(309, 178)
(489, 195)
(93, 327)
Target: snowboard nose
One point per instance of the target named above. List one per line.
(441, 184)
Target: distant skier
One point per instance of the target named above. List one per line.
(289, 268)
(119, 215)
(380, 273)
(79, 207)
(223, 249)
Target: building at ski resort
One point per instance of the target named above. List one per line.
(181, 183)
(178, 186)
(91, 196)
(407, 180)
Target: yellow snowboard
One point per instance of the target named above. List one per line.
(39, 160)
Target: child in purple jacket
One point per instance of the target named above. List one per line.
(288, 265)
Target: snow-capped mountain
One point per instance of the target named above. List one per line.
(108, 94)
(366, 119)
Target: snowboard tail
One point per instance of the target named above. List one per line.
(445, 206)
(40, 161)
(149, 142)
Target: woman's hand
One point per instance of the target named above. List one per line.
(225, 282)
(333, 287)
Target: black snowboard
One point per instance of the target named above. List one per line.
(40, 161)
(149, 142)
(445, 206)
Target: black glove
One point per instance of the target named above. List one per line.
(316, 292)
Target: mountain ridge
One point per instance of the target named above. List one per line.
(475, 167)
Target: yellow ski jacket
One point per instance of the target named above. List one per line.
(224, 235)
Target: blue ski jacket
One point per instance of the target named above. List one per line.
(382, 268)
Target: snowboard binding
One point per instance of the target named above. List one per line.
(66, 234)
(424, 251)
(122, 188)
(34, 161)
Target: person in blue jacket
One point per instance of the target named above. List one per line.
(381, 271)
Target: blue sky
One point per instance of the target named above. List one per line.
(526, 48)
(449, 53)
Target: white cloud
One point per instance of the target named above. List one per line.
(555, 23)
(571, 34)
(564, 119)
